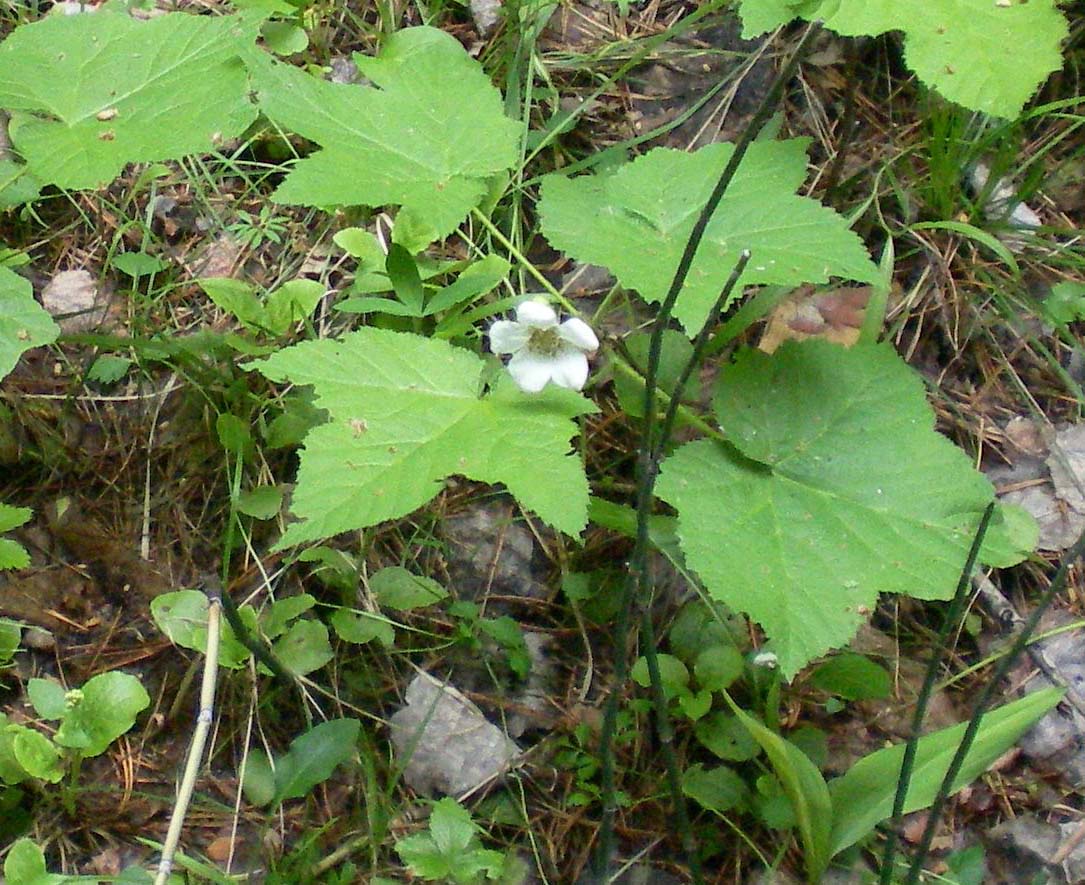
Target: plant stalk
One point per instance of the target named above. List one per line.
(952, 617)
(1058, 583)
(635, 584)
(199, 737)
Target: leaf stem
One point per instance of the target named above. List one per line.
(952, 616)
(665, 730)
(699, 346)
(635, 585)
(496, 233)
(1058, 583)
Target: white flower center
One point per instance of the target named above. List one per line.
(545, 342)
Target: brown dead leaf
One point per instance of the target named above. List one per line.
(219, 850)
(1026, 436)
(834, 315)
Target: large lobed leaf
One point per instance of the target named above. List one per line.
(985, 55)
(636, 221)
(106, 89)
(426, 135)
(837, 489)
(405, 413)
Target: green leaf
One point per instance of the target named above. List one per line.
(267, 8)
(672, 674)
(113, 81)
(699, 628)
(13, 517)
(17, 186)
(109, 706)
(451, 827)
(853, 677)
(426, 135)
(362, 627)
(508, 634)
(25, 865)
(726, 737)
(957, 46)
(718, 666)
(361, 244)
(138, 264)
(771, 805)
(423, 858)
(182, 616)
(47, 698)
(636, 221)
(449, 850)
(36, 754)
(23, 322)
(233, 433)
(396, 588)
(297, 419)
(979, 235)
(313, 757)
(263, 502)
(11, 771)
(293, 301)
(1065, 303)
(284, 38)
(759, 16)
(259, 781)
(717, 789)
(12, 554)
(474, 281)
(863, 797)
(407, 284)
(405, 414)
(236, 297)
(804, 786)
(108, 369)
(274, 620)
(11, 633)
(304, 648)
(694, 706)
(840, 490)
(968, 866)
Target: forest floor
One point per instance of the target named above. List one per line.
(113, 437)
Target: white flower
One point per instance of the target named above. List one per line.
(542, 350)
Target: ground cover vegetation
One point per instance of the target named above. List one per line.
(538, 443)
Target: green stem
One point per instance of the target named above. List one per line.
(496, 233)
(941, 646)
(934, 814)
(665, 730)
(635, 585)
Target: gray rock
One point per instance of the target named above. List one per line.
(491, 552)
(448, 745)
(1020, 849)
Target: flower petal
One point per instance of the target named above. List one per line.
(530, 371)
(508, 337)
(569, 369)
(535, 313)
(579, 334)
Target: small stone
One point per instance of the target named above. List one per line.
(74, 299)
(448, 745)
(39, 639)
